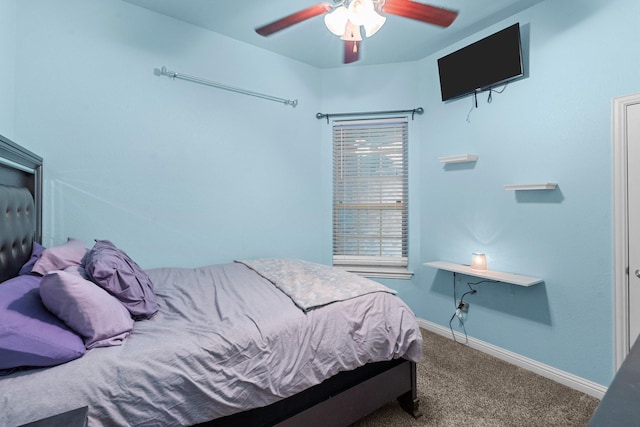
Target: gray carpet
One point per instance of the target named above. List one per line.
(460, 386)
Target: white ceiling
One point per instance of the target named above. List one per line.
(399, 40)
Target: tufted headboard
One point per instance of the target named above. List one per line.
(17, 229)
(20, 206)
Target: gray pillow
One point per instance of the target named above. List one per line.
(112, 269)
(60, 257)
(99, 318)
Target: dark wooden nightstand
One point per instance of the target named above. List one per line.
(73, 418)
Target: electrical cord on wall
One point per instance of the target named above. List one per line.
(458, 313)
(461, 305)
(474, 100)
(474, 105)
(490, 97)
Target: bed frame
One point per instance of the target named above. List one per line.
(338, 401)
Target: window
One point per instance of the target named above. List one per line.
(370, 191)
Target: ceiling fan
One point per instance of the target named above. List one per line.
(347, 18)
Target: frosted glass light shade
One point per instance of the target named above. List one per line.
(345, 22)
(336, 21)
(373, 24)
(478, 261)
(360, 10)
(352, 33)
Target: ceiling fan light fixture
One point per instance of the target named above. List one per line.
(373, 24)
(360, 10)
(336, 21)
(352, 33)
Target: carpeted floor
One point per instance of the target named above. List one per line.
(460, 386)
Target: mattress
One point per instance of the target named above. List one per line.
(224, 340)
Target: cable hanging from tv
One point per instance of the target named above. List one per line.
(489, 99)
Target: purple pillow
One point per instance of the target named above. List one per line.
(86, 308)
(61, 257)
(36, 252)
(29, 334)
(113, 270)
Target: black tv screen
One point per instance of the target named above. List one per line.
(489, 62)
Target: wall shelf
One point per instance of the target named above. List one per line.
(461, 158)
(514, 279)
(540, 186)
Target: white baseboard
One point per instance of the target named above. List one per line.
(573, 381)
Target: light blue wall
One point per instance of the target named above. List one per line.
(552, 126)
(181, 174)
(174, 172)
(7, 69)
(555, 125)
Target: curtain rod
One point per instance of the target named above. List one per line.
(413, 112)
(172, 74)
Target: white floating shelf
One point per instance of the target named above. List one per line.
(541, 186)
(461, 158)
(514, 279)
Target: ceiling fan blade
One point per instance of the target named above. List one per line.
(351, 51)
(421, 12)
(294, 18)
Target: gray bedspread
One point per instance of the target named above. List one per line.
(224, 340)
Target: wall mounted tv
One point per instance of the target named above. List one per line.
(489, 62)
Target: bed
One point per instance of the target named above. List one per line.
(230, 344)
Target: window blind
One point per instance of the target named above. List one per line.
(370, 190)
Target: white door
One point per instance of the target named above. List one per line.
(633, 197)
(626, 222)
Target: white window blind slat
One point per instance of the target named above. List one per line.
(370, 192)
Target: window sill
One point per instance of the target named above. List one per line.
(378, 272)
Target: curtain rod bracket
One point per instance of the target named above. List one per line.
(413, 112)
(173, 75)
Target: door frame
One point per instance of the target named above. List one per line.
(621, 225)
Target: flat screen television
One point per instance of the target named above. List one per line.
(489, 62)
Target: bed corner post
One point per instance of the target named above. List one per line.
(409, 401)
